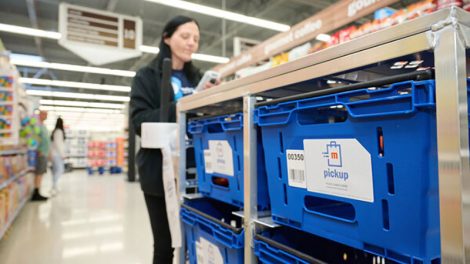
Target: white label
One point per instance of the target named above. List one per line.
(171, 197)
(339, 167)
(222, 157)
(207, 252)
(296, 168)
(199, 252)
(208, 161)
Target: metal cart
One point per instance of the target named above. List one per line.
(440, 40)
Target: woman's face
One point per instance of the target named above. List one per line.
(184, 41)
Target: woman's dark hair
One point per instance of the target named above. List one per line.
(191, 72)
(58, 125)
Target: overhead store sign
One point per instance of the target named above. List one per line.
(333, 17)
(97, 36)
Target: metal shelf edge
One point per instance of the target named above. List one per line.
(12, 179)
(11, 219)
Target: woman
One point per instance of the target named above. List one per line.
(57, 153)
(179, 40)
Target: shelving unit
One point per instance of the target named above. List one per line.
(13, 216)
(441, 40)
(77, 148)
(14, 178)
(13, 151)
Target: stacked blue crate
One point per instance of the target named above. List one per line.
(288, 246)
(213, 234)
(370, 178)
(218, 147)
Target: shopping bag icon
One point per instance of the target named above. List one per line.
(333, 154)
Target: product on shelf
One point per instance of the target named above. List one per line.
(6, 110)
(6, 81)
(76, 148)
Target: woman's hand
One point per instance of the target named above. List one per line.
(210, 84)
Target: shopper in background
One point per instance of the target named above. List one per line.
(42, 156)
(179, 40)
(57, 153)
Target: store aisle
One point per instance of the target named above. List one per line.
(97, 219)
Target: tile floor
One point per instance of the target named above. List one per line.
(94, 219)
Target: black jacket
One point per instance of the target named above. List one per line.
(145, 107)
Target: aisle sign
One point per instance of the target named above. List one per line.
(97, 36)
(331, 18)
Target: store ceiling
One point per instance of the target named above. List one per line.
(154, 17)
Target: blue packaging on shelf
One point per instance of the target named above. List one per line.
(358, 167)
(32, 158)
(218, 148)
(210, 237)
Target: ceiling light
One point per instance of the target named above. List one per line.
(25, 57)
(78, 95)
(80, 103)
(149, 49)
(78, 109)
(83, 85)
(196, 56)
(29, 31)
(210, 58)
(323, 37)
(210, 11)
(143, 48)
(71, 67)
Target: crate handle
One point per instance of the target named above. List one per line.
(225, 238)
(273, 257)
(330, 208)
(195, 128)
(321, 115)
(188, 218)
(213, 128)
(397, 105)
(232, 125)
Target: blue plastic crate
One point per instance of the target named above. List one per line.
(224, 183)
(397, 216)
(287, 246)
(209, 234)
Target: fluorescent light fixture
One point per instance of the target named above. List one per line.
(94, 86)
(80, 103)
(149, 49)
(79, 95)
(210, 58)
(323, 37)
(25, 57)
(215, 12)
(78, 109)
(196, 56)
(29, 31)
(71, 67)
